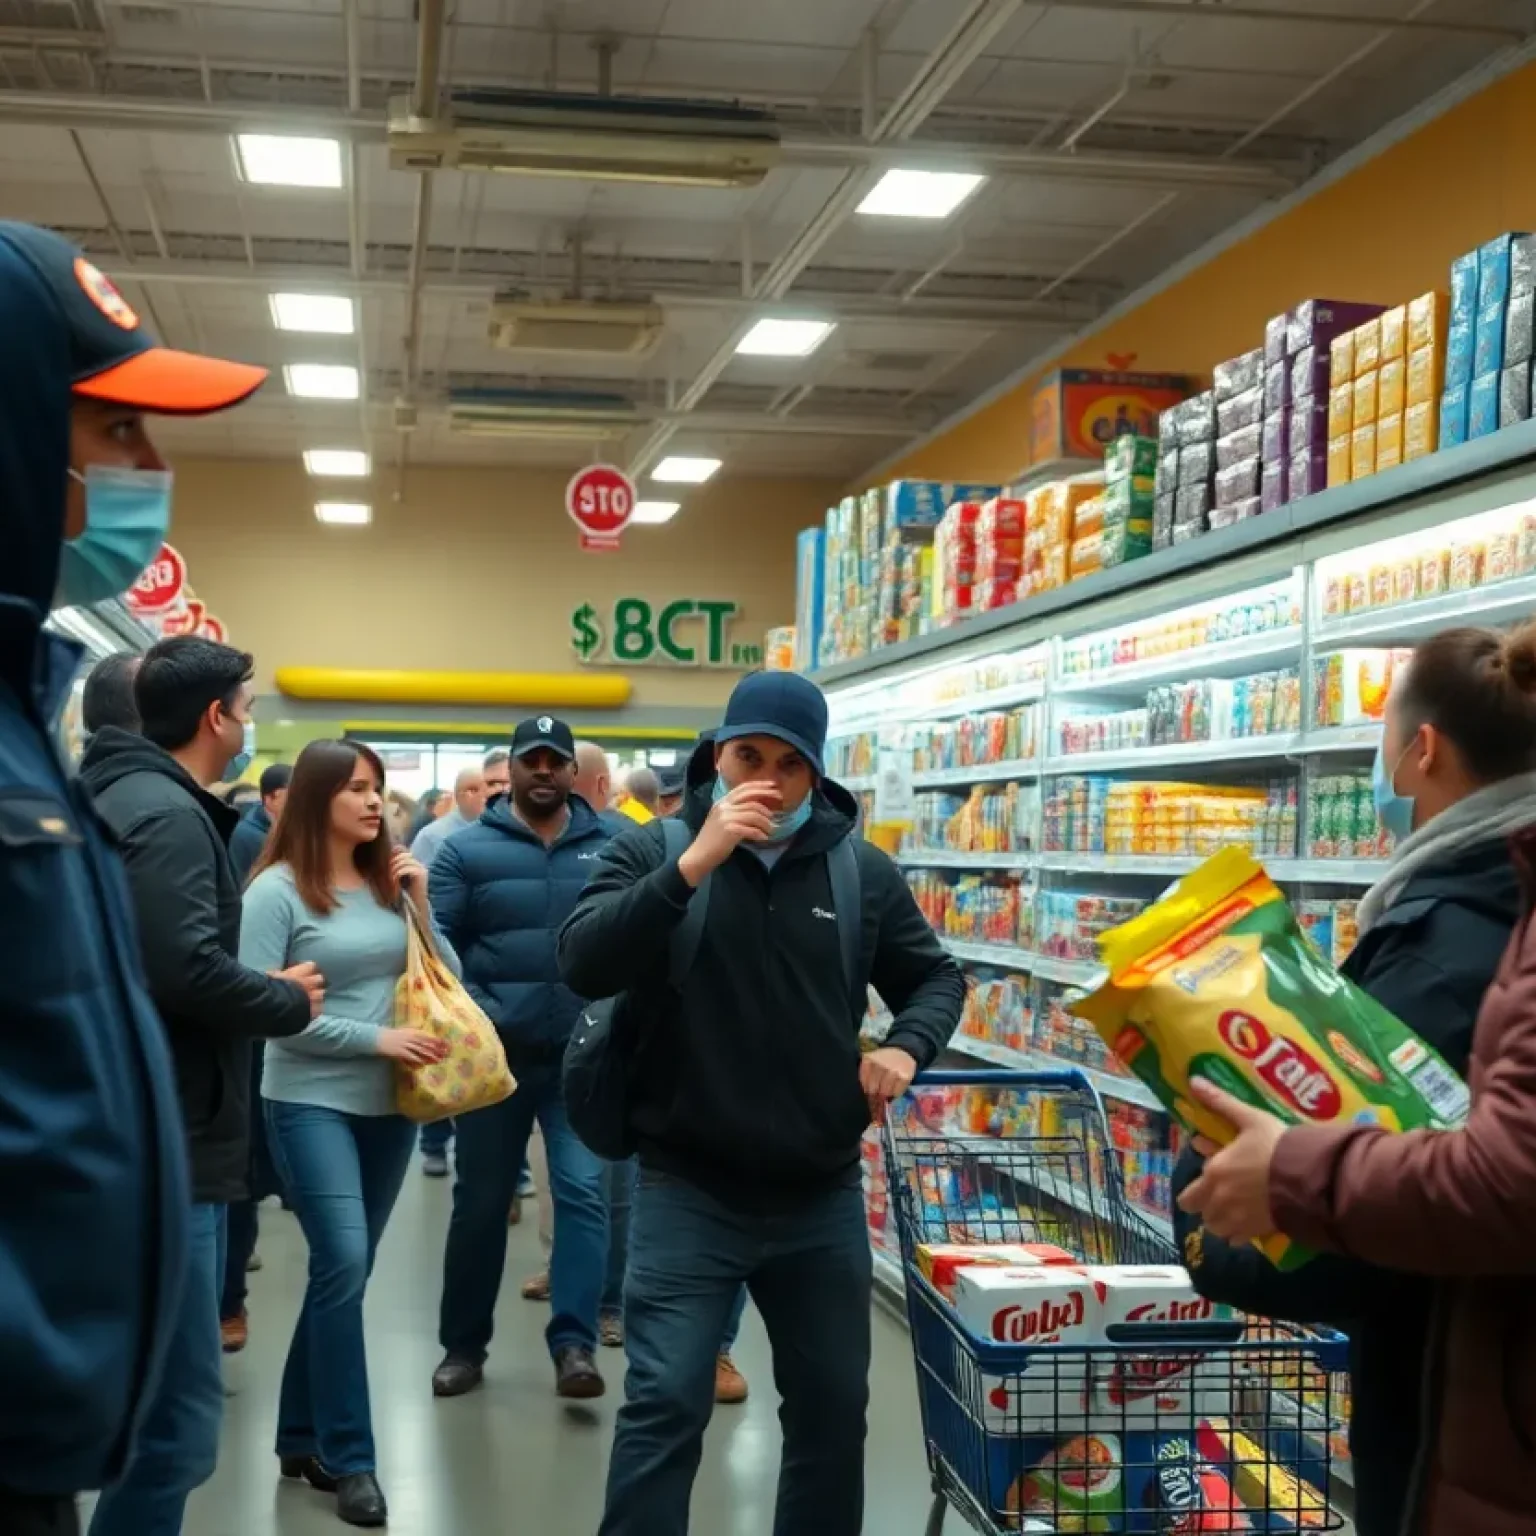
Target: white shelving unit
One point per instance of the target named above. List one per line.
(953, 858)
(856, 783)
(1072, 973)
(1181, 754)
(984, 773)
(1220, 658)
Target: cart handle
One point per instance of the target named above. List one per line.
(1066, 1077)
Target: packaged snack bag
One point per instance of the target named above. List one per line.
(1218, 980)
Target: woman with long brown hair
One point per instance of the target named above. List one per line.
(330, 888)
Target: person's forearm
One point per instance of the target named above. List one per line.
(331, 1036)
(615, 937)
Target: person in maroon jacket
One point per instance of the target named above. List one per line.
(1457, 1205)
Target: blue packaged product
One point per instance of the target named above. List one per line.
(1464, 286)
(1460, 348)
(810, 595)
(922, 503)
(1453, 416)
(1488, 339)
(1482, 406)
(1493, 271)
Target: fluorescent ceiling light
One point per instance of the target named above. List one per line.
(654, 511)
(277, 160)
(352, 513)
(784, 338)
(327, 313)
(920, 194)
(685, 471)
(337, 463)
(322, 381)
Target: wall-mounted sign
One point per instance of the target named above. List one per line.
(213, 629)
(161, 584)
(687, 632)
(1078, 412)
(600, 500)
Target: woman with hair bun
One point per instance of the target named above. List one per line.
(1456, 779)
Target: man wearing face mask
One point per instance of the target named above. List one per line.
(92, 1153)
(748, 1099)
(194, 699)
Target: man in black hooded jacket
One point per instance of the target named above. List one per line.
(750, 1100)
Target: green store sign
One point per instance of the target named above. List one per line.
(687, 632)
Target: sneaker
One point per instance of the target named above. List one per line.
(576, 1373)
(235, 1333)
(536, 1287)
(730, 1384)
(456, 1376)
(610, 1330)
(435, 1164)
(526, 1189)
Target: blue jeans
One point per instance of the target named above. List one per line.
(493, 1144)
(619, 1184)
(435, 1138)
(342, 1173)
(178, 1444)
(809, 1271)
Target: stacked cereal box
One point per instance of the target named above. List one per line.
(910, 515)
(1130, 467)
(1050, 520)
(1087, 553)
(1312, 329)
(954, 561)
(1428, 320)
(1488, 386)
(847, 614)
(999, 554)
(1240, 403)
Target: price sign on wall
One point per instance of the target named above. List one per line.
(600, 500)
(687, 632)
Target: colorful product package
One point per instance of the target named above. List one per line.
(1454, 417)
(1362, 452)
(1426, 376)
(1421, 430)
(1392, 387)
(1483, 406)
(1340, 459)
(1464, 288)
(1389, 441)
(941, 1262)
(1515, 395)
(1341, 360)
(1291, 1503)
(1428, 316)
(1218, 980)
(1460, 348)
(1367, 347)
(1488, 340)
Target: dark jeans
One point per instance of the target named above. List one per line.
(493, 1144)
(619, 1185)
(242, 1214)
(178, 1444)
(809, 1272)
(342, 1173)
(23, 1515)
(435, 1138)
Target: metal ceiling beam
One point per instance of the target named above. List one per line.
(1193, 10)
(966, 42)
(64, 110)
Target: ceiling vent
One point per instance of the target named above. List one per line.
(149, 15)
(593, 138)
(594, 327)
(546, 414)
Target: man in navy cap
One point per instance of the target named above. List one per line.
(501, 888)
(748, 1099)
(92, 1154)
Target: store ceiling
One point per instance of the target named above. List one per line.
(1116, 137)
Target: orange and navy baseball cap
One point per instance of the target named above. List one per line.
(112, 356)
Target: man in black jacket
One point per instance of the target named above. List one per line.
(194, 702)
(249, 839)
(749, 1101)
(107, 698)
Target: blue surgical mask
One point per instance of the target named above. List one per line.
(242, 759)
(785, 823)
(127, 515)
(1395, 810)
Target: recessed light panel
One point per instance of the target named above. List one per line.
(322, 313)
(654, 511)
(321, 381)
(920, 194)
(683, 470)
(337, 463)
(351, 514)
(784, 338)
(277, 160)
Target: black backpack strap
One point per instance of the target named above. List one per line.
(689, 934)
(847, 902)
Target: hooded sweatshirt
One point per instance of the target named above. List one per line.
(747, 1081)
(93, 1220)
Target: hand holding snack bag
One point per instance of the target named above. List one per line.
(1218, 980)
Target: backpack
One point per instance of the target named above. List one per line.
(599, 1059)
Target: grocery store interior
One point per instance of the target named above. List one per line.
(1098, 399)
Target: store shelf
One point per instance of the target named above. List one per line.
(1239, 749)
(975, 703)
(1074, 973)
(1496, 603)
(951, 858)
(856, 783)
(1111, 1084)
(980, 773)
(1341, 738)
(1223, 658)
(1360, 872)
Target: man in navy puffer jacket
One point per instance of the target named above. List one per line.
(500, 891)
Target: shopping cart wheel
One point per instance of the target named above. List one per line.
(935, 1524)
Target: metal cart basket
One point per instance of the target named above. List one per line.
(1171, 1418)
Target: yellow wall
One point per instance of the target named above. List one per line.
(475, 569)
(1385, 232)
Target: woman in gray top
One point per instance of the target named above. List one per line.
(330, 889)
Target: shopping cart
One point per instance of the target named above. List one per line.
(1193, 1423)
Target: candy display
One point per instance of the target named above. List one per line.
(992, 818)
(1094, 814)
(1350, 687)
(1050, 529)
(1231, 620)
(972, 741)
(1069, 924)
(1341, 818)
(990, 909)
(1250, 990)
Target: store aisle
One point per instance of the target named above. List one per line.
(510, 1457)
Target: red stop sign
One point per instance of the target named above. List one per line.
(600, 500)
(161, 584)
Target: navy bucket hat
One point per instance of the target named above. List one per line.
(783, 705)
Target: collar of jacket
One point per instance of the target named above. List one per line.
(583, 822)
(115, 754)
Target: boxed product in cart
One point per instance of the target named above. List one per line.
(941, 1263)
